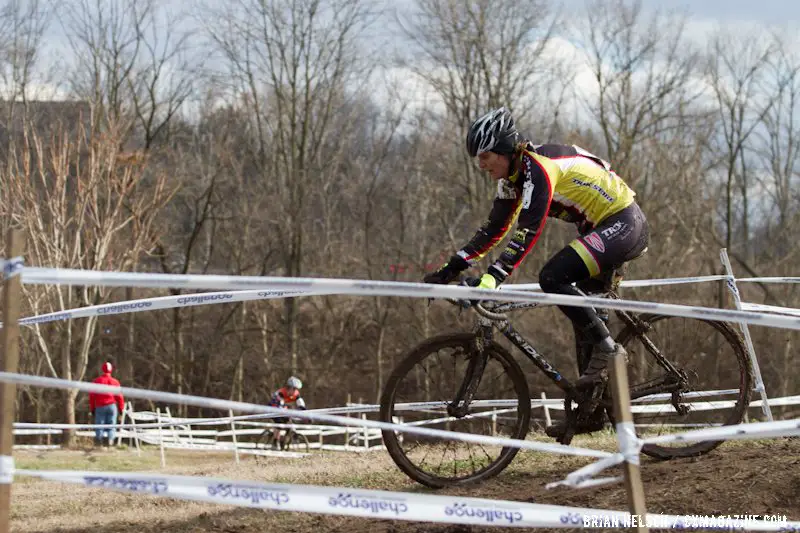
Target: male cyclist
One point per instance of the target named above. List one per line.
(288, 395)
(565, 182)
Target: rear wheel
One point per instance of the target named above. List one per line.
(418, 393)
(718, 382)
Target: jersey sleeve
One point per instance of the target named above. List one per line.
(537, 193)
(496, 227)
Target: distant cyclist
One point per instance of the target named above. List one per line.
(286, 397)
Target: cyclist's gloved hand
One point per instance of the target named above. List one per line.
(447, 272)
(487, 281)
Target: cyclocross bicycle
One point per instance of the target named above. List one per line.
(288, 440)
(468, 382)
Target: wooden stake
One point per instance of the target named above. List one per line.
(233, 436)
(622, 414)
(12, 287)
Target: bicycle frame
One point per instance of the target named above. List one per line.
(489, 319)
(485, 326)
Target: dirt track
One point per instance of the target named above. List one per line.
(739, 478)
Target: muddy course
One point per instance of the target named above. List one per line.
(755, 477)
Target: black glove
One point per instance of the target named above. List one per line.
(448, 272)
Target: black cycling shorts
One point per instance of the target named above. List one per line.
(619, 238)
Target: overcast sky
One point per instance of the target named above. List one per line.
(782, 13)
(704, 17)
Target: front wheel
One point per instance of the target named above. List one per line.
(265, 442)
(418, 393)
(297, 442)
(716, 379)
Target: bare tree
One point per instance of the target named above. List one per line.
(131, 67)
(162, 80)
(76, 199)
(22, 26)
(293, 64)
(477, 55)
(777, 147)
(642, 66)
(736, 66)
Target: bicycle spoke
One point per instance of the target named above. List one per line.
(435, 376)
(710, 362)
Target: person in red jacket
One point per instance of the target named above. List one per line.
(105, 407)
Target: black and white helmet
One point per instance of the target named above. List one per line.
(493, 132)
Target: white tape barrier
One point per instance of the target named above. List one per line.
(762, 308)
(354, 409)
(188, 300)
(583, 477)
(387, 288)
(165, 302)
(790, 279)
(756, 430)
(658, 282)
(212, 403)
(558, 403)
(377, 504)
(30, 428)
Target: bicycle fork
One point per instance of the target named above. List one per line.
(478, 359)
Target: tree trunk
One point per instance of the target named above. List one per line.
(69, 395)
(291, 332)
(379, 361)
(177, 349)
(127, 364)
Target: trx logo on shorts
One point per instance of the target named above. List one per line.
(611, 230)
(594, 240)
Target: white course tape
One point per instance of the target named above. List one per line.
(584, 477)
(762, 308)
(166, 302)
(634, 282)
(756, 430)
(789, 279)
(12, 267)
(691, 394)
(213, 403)
(629, 444)
(378, 504)
(388, 288)
(6, 469)
(188, 300)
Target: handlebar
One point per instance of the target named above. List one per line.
(477, 305)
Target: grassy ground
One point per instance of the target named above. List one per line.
(738, 478)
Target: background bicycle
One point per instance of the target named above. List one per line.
(288, 437)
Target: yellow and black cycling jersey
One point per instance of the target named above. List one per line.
(555, 180)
